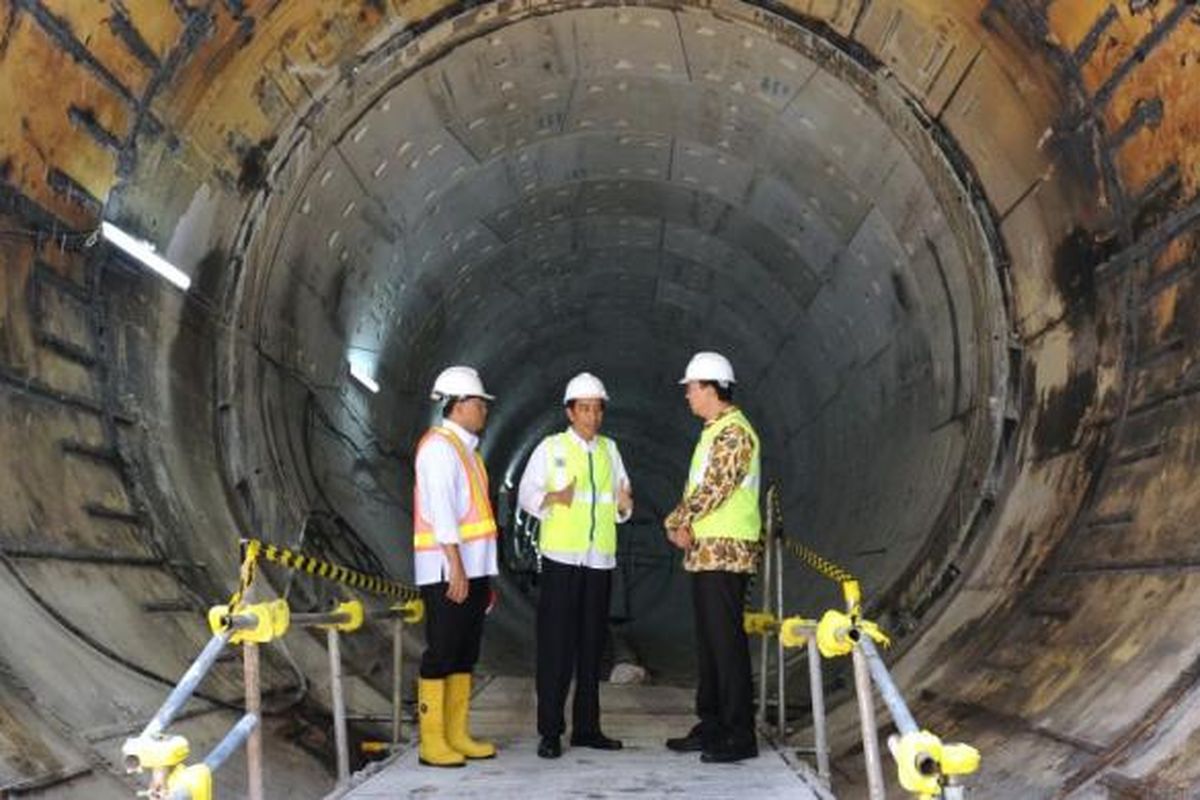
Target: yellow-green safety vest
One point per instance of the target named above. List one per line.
(592, 516)
(738, 517)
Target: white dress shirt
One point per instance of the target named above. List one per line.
(445, 493)
(533, 488)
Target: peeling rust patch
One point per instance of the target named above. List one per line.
(254, 166)
(1060, 413)
(1075, 261)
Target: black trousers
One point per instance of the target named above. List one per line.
(572, 623)
(725, 691)
(453, 631)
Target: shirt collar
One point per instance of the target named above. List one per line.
(585, 444)
(718, 417)
(468, 438)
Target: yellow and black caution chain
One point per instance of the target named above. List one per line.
(253, 549)
(818, 563)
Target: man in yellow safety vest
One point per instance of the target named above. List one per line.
(718, 526)
(576, 484)
(454, 554)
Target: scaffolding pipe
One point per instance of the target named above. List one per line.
(187, 684)
(866, 715)
(764, 651)
(780, 655)
(339, 706)
(253, 687)
(903, 718)
(816, 688)
(397, 677)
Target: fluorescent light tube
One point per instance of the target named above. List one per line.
(360, 374)
(145, 252)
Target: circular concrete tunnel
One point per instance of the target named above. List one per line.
(948, 253)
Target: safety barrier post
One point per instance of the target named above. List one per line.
(347, 617)
(253, 687)
(339, 705)
(816, 688)
(763, 651)
(397, 676)
(781, 670)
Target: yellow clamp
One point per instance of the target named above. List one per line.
(834, 633)
(271, 621)
(154, 752)
(922, 761)
(794, 631)
(353, 611)
(852, 593)
(758, 623)
(196, 780)
(411, 611)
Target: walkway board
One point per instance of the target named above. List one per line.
(642, 716)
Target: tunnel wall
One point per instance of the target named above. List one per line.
(1062, 639)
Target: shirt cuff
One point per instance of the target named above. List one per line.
(447, 536)
(624, 516)
(535, 509)
(677, 518)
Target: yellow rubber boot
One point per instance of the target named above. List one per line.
(434, 751)
(458, 698)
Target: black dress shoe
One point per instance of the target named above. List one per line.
(728, 752)
(549, 747)
(692, 743)
(596, 741)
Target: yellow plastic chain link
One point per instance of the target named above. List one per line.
(246, 573)
(333, 572)
(818, 563)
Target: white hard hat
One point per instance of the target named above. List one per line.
(708, 366)
(584, 385)
(458, 382)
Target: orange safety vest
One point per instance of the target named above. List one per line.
(479, 522)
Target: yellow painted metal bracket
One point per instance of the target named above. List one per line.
(154, 752)
(411, 611)
(837, 630)
(924, 762)
(759, 623)
(196, 780)
(795, 631)
(271, 621)
(353, 611)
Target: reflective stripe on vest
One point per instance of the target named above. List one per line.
(592, 516)
(738, 517)
(479, 522)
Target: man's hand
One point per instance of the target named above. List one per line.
(563, 497)
(456, 591)
(624, 500)
(682, 537)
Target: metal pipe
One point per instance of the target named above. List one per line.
(816, 688)
(187, 684)
(780, 655)
(339, 706)
(319, 618)
(237, 736)
(253, 687)
(224, 749)
(866, 715)
(397, 677)
(766, 606)
(903, 718)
